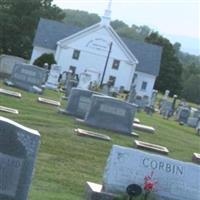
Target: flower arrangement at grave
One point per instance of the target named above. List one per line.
(149, 185)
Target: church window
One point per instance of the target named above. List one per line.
(115, 64)
(144, 85)
(76, 54)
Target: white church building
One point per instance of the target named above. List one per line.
(100, 50)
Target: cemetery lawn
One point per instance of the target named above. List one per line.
(66, 161)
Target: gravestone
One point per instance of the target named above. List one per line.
(7, 62)
(193, 118)
(48, 101)
(143, 128)
(70, 82)
(182, 114)
(28, 77)
(153, 98)
(198, 127)
(52, 81)
(145, 101)
(106, 89)
(111, 113)
(174, 103)
(86, 133)
(18, 151)
(151, 147)
(196, 158)
(138, 101)
(166, 95)
(176, 180)
(8, 110)
(10, 93)
(84, 81)
(132, 94)
(79, 102)
(166, 108)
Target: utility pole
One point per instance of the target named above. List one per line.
(107, 59)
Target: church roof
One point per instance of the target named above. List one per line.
(49, 32)
(148, 55)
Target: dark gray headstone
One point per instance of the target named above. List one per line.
(28, 77)
(18, 151)
(182, 114)
(79, 102)
(111, 113)
(132, 94)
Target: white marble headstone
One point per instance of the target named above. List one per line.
(177, 180)
(52, 81)
(84, 81)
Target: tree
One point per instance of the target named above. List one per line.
(80, 18)
(191, 91)
(170, 68)
(118, 24)
(45, 58)
(18, 22)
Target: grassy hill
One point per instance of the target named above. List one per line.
(66, 161)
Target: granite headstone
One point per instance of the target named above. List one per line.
(176, 180)
(79, 102)
(111, 113)
(28, 77)
(18, 151)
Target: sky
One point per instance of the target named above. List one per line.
(178, 20)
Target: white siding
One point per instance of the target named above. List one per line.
(150, 79)
(38, 51)
(94, 51)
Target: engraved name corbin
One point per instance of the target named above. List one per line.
(163, 166)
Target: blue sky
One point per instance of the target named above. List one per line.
(178, 20)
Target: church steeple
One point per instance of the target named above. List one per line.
(105, 19)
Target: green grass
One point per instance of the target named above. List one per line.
(66, 161)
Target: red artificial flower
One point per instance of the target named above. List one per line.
(149, 184)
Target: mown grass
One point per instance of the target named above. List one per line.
(66, 161)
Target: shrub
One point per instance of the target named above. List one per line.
(45, 58)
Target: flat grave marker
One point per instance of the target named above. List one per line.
(10, 93)
(176, 180)
(95, 191)
(18, 151)
(144, 128)
(48, 101)
(136, 120)
(151, 147)
(196, 158)
(82, 132)
(8, 110)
